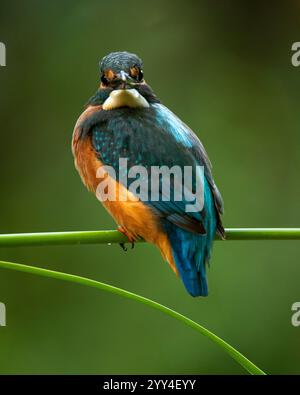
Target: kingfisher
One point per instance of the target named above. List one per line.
(125, 120)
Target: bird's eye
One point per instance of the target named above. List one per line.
(136, 73)
(141, 75)
(104, 80)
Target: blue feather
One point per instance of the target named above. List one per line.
(191, 251)
(172, 124)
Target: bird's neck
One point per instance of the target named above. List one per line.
(102, 95)
(119, 98)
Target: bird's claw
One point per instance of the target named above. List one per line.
(122, 245)
(130, 239)
(124, 248)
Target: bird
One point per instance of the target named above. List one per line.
(125, 120)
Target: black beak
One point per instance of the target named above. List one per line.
(124, 80)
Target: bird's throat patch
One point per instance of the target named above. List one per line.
(125, 98)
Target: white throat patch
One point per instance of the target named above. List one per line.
(124, 98)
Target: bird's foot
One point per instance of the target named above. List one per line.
(122, 245)
(130, 238)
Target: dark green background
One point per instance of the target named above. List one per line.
(225, 69)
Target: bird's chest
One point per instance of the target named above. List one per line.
(125, 136)
(132, 138)
(107, 144)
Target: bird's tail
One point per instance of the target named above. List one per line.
(191, 253)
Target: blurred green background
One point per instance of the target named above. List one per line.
(225, 69)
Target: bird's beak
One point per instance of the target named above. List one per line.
(124, 80)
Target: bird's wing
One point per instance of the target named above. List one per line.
(184, 134)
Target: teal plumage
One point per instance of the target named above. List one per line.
(192, 251)
(154, 136)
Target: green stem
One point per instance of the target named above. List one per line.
(236, 355)
(113, 236)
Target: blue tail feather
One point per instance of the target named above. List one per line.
(191, 251)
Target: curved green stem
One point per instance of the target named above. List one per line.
(113, 236)
(241, 359)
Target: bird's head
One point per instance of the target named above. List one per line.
(121, 70)
(122, 82)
